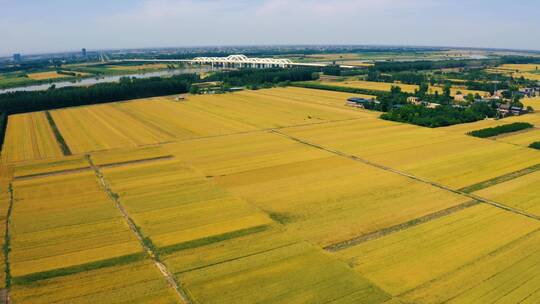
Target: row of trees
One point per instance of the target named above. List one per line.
(261, 77)
(131, 88)
(441, 116)
(127, 88)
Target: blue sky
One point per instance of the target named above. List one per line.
(34, 26)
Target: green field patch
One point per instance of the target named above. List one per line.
(212, 239)
(34, 277)
(509, 128)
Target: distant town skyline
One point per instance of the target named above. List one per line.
(30, 26)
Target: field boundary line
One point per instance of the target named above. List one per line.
(82, 169)
(137, 161)
(7, 245)
(53, 173)
(59, 138)
(399, 227)
(146, 243)
(420, 179)
(500, 179)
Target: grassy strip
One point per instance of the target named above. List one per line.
(212, 239)
(319, 86)
(7, 238)
(535, 145)
(58, 135)
(396, 228)
(498, 130)
(117, 261)
(500, 179)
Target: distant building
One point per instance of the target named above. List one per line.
(414, 100)
(459, 98)
(83, 52)
(17, 57)
(529, 92)
(432, 105)
(509, 110)
(359, 102)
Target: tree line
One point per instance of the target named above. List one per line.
(132, 88)
(444, 115)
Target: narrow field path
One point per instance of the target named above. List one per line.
(145, 242)
(420, 179)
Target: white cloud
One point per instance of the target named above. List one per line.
(154, 23)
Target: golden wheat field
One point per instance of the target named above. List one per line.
(77, 224)
(283, 195)
(413, 258)
(45, 75)
(166, 198)
(29, 137)
(520, 67)
(409, 88)
(340, 199)
(455, 160)
(137, 282)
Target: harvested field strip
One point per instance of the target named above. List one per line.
(356, 158)
(45, 275)
(145, 242)
(500, 179)
(59, 138)
(397, 228)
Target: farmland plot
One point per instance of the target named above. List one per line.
(524, 138)
(176, 206)
(127, 156)
(451, 159)
(412, 258)
(136, 282)
(509, 275)
(408, 88)
(102, 127)
(320, 197)
(78, 224)
(28, 137)
(298, 273)
(522, 193)
(48, 166)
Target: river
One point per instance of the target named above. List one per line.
(103, 79)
